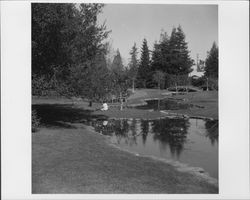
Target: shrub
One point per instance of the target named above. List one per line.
(35, 121)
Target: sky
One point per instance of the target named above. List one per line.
(131, 23)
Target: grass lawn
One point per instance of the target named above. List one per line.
(206, 99)
(78, 160)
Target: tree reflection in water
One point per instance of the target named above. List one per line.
(185, 140)
(172, 133)
(121, 129)
(212, 130)
(169, 133)
(144, 130)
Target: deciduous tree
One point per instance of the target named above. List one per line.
(66, 39)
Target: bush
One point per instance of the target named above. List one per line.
(35, 121)
(202, 83)
(199, 82)
(213, 83)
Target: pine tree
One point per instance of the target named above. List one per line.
(119, 79)
(133, 65)
(180, 60)
(117, 62)
(144, 66)
(211, 63)
(156, 61)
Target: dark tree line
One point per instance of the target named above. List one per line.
(211, 75)
(168, 61)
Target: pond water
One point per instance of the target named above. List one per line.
(165, 104)
(190, 141)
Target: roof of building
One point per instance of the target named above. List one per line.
(195, 73)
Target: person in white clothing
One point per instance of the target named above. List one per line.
(104, 106)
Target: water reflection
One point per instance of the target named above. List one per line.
(191, 141)
(145, 130)
(171, 132)
(212, 131)
(165, 104)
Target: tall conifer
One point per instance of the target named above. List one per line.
(144, 66)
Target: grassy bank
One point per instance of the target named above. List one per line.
(206, 99)
(77, 160)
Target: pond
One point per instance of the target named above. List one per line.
(165, 104)
(190, 141)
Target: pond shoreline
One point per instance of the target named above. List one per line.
(180, 166)
(203, 111)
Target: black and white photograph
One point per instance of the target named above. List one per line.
(124, 98)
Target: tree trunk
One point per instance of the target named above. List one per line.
(159, 88)
(207, 84)
(121, 101)
(133, 86)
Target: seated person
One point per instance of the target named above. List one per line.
(104, 106)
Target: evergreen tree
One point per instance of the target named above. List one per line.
(133, 65)
(211, 63)
(117, 62)
(160, 56)
(143, 76)
(180, 61)
(164, 52)
(119, 78)
(156, 61)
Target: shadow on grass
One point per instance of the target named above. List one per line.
(63, 115)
